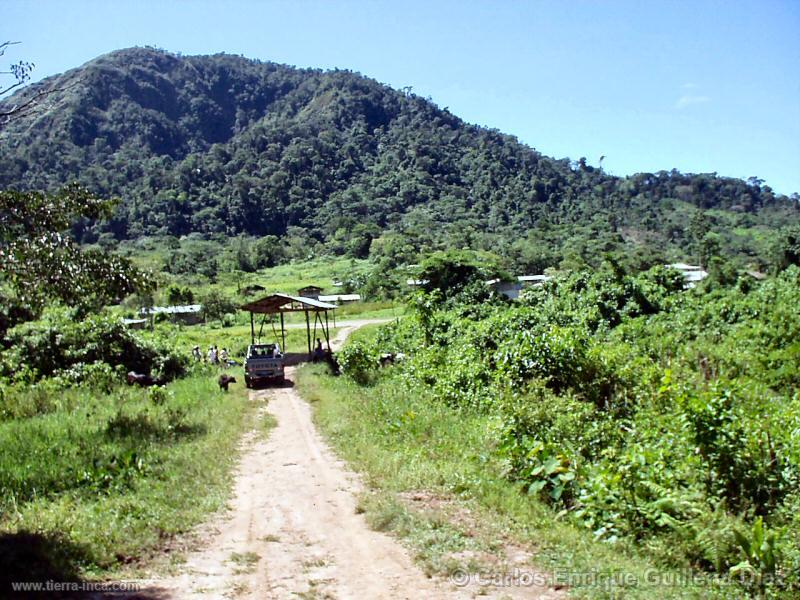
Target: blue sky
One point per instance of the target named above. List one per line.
(700, 86)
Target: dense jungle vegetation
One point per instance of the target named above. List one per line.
(637, 410)
(215, 146)
(642, 412)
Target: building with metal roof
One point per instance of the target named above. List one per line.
(189, 314)
(284, 303)
(341, 298)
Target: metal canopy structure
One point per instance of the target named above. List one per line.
(284, 303)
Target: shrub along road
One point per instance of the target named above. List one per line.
(294, 527)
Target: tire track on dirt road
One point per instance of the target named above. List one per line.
(293, 529)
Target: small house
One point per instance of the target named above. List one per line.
(252, 289)
(527, 280)
(310, 291)
(509, 289)
(692, 274)
(340, 298)
(189, 314)
(135, 323)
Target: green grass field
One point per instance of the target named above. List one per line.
(288, 278)
(99, 485)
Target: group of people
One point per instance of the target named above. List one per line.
(213, 356)
(216, 357)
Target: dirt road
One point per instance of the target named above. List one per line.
(293, 530)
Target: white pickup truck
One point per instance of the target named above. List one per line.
(264, 363)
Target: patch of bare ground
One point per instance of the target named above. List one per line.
(500, 562)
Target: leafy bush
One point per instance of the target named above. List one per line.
(94, 349)
(745, 464)
(546, 439)
(359, 362)
(554, 354)
(643, 411)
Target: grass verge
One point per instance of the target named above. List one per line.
(98, 487)
(438, 484)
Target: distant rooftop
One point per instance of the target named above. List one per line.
(533, 278)
(276, 303)
(340, 298)
(172, 310)
(684, 267)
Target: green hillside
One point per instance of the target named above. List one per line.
(223, 145)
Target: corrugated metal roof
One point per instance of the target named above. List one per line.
(684, 267)
(275, 303)
(340, 298)
(695, 275)
(172, 310)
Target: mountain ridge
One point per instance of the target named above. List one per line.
(221, 144)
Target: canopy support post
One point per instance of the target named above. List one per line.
(308, 334)
(261, 328)
(328, 331)
(283, 335)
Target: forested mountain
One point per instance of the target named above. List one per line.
(225, 145)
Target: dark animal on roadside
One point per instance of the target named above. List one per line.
(225, 380)
(142, 379)
(333, 364)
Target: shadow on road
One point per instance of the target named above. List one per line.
(28, 557)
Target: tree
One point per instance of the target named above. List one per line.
(451, 271)
(241, 252)
(709, 247)
(699, 227)
(21, 74)
(216, 305)
(179, 295)
(788, 247)
(268, 251)
(21, 71)
(41, 262)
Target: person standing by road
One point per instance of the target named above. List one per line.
(319, 353)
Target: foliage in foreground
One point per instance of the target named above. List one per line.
(41, 261)
(409, 447)
(104, 478)
(97, 348)
(670, 419)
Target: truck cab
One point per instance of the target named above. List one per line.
(263, 363)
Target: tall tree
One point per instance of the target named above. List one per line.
(40, 260)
